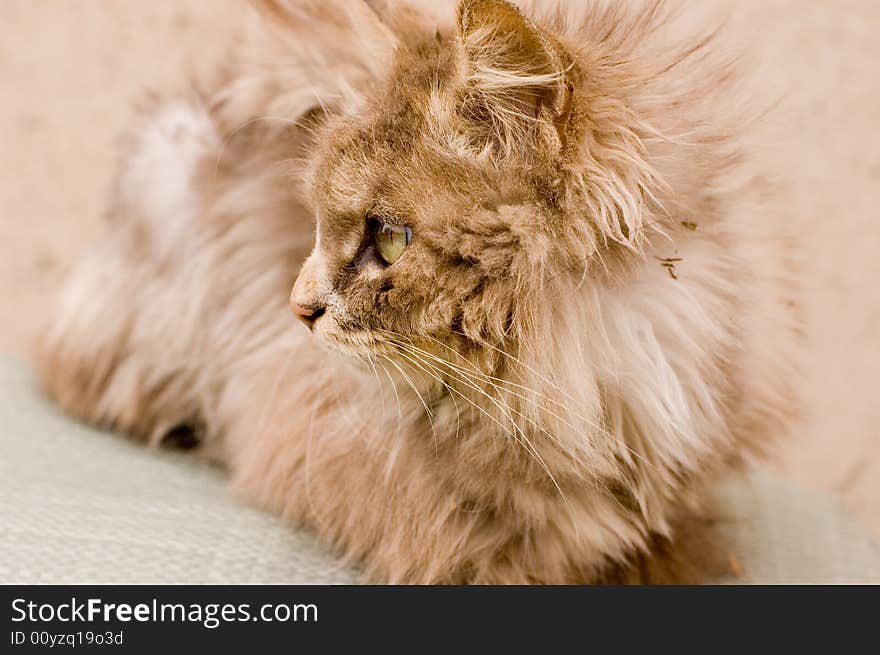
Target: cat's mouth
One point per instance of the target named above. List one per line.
(375, 352)
(358, 345)
(369, 347)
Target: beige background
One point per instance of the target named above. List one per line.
(69, 70)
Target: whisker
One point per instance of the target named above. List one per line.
(428, 412)
(604, 431)
(397, 437)
(522, 439)
(507, 409)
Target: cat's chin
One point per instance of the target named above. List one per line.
(358, 350)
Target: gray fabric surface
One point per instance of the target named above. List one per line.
(83, 506)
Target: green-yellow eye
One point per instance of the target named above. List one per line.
(391, 241)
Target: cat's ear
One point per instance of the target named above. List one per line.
(514, 73)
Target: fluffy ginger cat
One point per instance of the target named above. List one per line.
(548, 296)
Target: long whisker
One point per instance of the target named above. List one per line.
(412, 385)
(397, 437)
(470, 382)
(555, 386)
(454, 402)
(372, 364)
(566, 449)
(520, 437)
(491, 379)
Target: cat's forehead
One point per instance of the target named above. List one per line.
(389, 147)
(364, 161)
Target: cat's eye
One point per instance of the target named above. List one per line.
(391, 241)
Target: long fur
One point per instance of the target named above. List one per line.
(595, 319)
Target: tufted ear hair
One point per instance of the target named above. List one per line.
(514, 73)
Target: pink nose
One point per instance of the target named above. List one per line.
(308, 314)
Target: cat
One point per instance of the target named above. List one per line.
(542, 293)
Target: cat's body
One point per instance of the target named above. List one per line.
(593, 320)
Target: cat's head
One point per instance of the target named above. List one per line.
(488, 162)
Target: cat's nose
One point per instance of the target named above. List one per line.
(308, 314)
